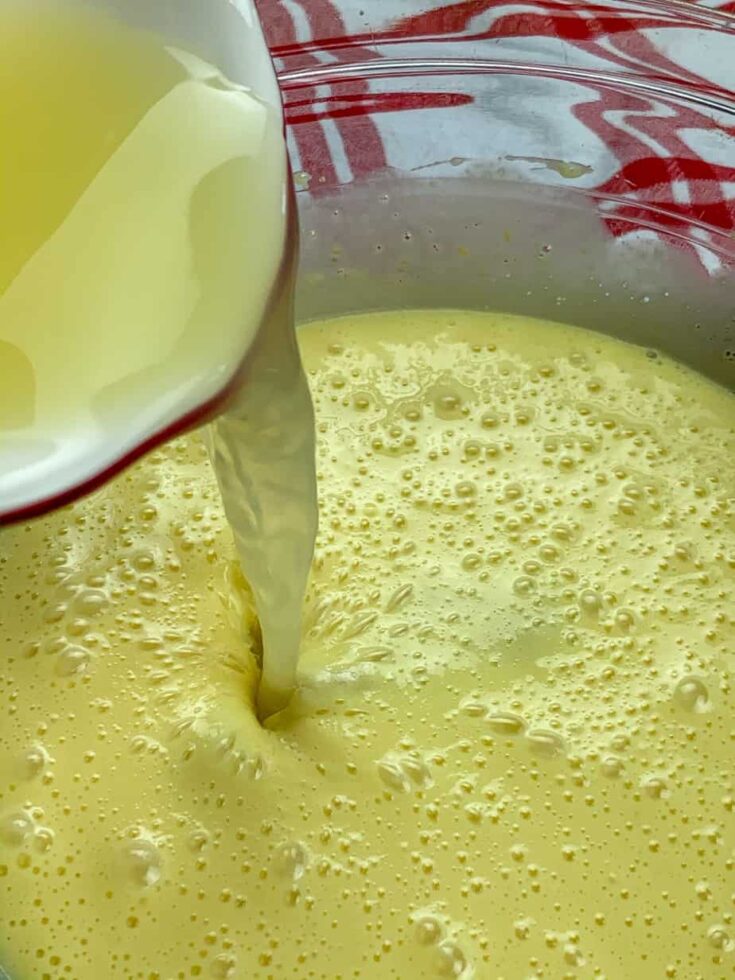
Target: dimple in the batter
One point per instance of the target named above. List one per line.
(510, 755)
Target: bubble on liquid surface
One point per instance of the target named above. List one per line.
(590, 602)
(401, 595)
(416, 769)
(34, 761)
(43, 839)
(142, 861)
(506, 723)
(655, 787)
(90, 602)
(691, 694)
(719, 938)
(473, 708)
(447, 403)
(429, 930)
(224, 966)
(450, 959)
(403, 772)
(392, 774)
(16, 827)
(612, 766)
(544, 742)
(71, 661)
(292, 860)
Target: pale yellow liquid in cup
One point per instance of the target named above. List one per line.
(511, 752)
(142, 216)
(144, 251)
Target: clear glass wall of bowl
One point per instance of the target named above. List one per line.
(553, 162)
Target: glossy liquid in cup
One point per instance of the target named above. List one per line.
(146, 248)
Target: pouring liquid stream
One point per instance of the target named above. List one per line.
(263, 450)
(145, 225)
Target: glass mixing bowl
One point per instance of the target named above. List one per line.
(568, 161)
(547, 163)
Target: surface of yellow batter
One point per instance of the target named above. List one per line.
(511, 753)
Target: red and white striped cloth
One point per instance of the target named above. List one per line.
(680, 158)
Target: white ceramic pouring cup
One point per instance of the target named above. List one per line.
(36, 477)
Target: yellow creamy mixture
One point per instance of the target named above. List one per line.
(511, 753)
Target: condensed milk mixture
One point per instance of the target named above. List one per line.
(510, 753)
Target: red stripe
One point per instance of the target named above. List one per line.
(363, 144)
(583, 25)
(444, 20)
(614, 37)
(579, 28)
(314, 151)
(353, 106)
(453, 20)
(645, 178)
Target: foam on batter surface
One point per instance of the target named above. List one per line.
(511, 751)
